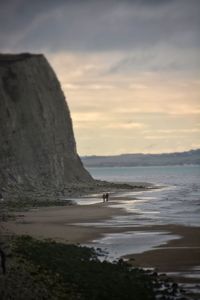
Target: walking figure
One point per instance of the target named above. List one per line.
(1, 197)
(104, 197)
(3, 261)
(107, 196)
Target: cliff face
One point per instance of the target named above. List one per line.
(38, 149)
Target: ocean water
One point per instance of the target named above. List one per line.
(175, 201)
(162, 175)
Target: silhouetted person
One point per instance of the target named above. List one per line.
(1, 196)
(3, 261)
(107, 196)
(104, 197)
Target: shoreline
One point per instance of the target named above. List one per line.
(63, 224)
(13, 211)
(30, 196)
(59, 223)
(178, 255)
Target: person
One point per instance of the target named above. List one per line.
(3, 261)
(107, 196)
(1, 197)
(104, 197)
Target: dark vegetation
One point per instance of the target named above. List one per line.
(50, 270)
(8, 208)
(24, 205)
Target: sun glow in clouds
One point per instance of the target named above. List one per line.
(159, 112)
(129, 69)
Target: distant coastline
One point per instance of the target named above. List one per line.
(191, 157)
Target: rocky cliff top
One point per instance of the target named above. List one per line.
(16, 57)
(38, 149)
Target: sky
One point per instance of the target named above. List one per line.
(129, 69)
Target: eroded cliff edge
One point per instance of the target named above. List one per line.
(38, 154)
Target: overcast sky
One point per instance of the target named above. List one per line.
(130, 69)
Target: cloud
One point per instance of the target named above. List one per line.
(128, 125)
(98, 25)
(155, 137)
(173, 131)
(126, 67)
(88, 116)
(158, 58)
(96, 86)
(161, 110)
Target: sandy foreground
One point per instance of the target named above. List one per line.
(64, 224)
(61, 223)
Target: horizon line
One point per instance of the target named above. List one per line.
(141, 153)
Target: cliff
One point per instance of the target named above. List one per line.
(38, 154)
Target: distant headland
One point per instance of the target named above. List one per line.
(191, 157)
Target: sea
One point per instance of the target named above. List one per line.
(175, 200)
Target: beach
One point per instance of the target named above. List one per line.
(179, 255)
(59, 223)
(154, 228)
(70, 225)
(32, 232)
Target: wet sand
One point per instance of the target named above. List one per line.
(179, 255)
(60, 223)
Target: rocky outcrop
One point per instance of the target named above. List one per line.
(38, 151)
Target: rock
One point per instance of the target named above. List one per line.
(38, 155)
